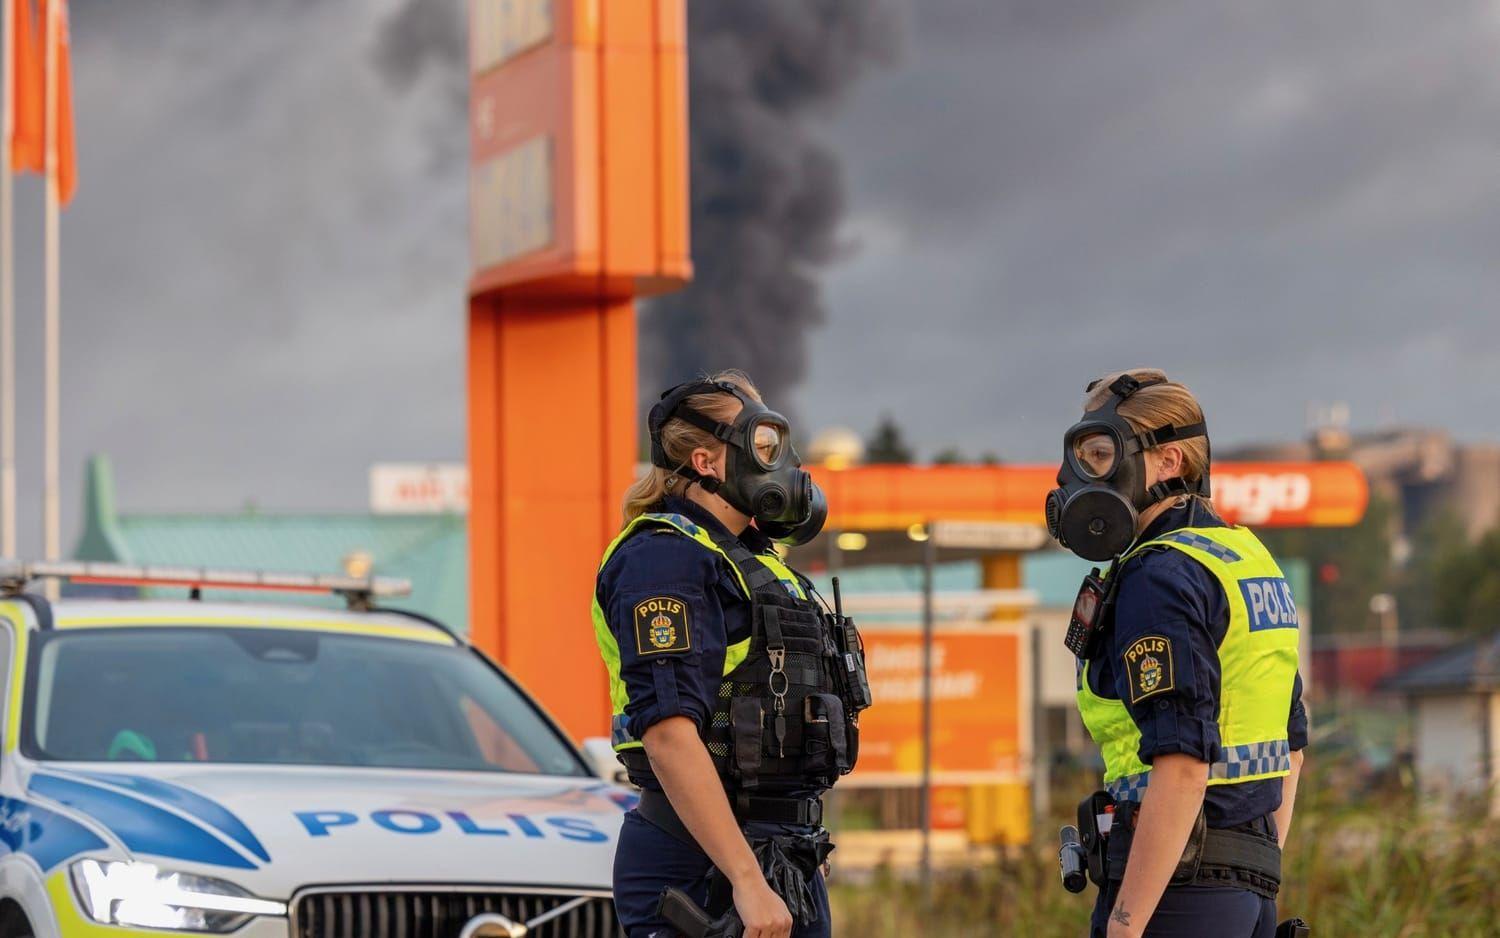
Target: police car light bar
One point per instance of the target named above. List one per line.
(15, 575)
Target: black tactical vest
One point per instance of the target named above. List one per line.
(784, 718)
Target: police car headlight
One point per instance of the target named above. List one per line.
(143, 895)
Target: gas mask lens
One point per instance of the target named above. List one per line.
(1095, 454)
(770, 443)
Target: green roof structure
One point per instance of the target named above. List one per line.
(430, 550)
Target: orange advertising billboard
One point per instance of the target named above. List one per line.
(1269, 494)
(578, 146)
(981, 687)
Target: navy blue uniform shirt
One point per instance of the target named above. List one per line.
(1168, 593)
(659, 563)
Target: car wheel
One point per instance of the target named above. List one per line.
(13, 923)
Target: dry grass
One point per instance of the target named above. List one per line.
(1377, 863)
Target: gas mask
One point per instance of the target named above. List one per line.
(762, 474)
(1102, 482)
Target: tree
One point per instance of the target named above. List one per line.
(887, 445)
(1466, 586)
(1438, 551)
(951, 456)
(1349, 566)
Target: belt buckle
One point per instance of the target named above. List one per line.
(815, 813)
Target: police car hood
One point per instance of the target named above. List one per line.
(274, 830)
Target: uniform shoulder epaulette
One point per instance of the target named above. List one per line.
(1147, 550)
(1140, 554)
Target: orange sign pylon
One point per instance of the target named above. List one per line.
(579, 204)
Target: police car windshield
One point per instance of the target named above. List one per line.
(274, 696)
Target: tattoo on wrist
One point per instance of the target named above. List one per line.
(1120, 915)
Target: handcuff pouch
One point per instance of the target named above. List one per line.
(1093, 838)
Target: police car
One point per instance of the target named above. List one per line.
(260, 770)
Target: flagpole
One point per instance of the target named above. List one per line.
(51, 494)
(7, 300)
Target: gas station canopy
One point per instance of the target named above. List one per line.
(886, 498)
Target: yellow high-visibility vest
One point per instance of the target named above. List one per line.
(1257, 660)
(609, 648)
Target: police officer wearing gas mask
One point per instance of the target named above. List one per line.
(1187, 645)
(736, 697)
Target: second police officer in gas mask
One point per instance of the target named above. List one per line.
(1188, 676)
(736, 698)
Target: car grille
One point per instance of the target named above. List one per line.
(419, 913)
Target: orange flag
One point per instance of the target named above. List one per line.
(27, 143)
(61, 62)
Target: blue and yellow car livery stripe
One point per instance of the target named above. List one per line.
(143, 826)
(43, 834)
(186, 801)
(135, 811)
(148, 823)
(16, 623)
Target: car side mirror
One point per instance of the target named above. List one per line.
(600, 756)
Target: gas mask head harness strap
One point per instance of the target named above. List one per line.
(1102, 487)
(763, 477)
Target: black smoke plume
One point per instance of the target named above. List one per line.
(423, 38)
(421, 33)
(767, 194)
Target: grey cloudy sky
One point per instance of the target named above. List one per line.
(1277, 202)
(264, 266)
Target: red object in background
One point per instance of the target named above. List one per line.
(32, 54)
(1328, 574)
(67, 160)
(949, 812)
(27, 89)
(1357, 664)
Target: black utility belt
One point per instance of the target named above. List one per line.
(1218, 857)
(638, 767)
(657, 808)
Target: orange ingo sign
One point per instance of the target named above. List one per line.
(1269, 494)
(981, 711)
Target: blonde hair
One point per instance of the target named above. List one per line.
(679, 438)
(1156, 406)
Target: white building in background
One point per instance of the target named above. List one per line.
(1455, 705)
(419, 488)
